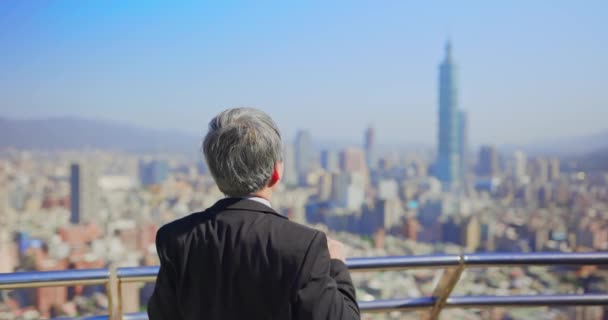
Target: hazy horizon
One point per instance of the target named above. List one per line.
(527, 72)
(176, 139)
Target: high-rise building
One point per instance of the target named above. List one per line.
(488, 165)
(554, 169)
(354, 197)
(520, 164)
(304, 153)
(388, 189)
(541, 170)
(417, 167)
(329, 160)
(325, 186)
(8, 252)
(471, 234)
(463, 144)
(290, 174)
(153, 172)
(352, 160)
(391, 213)
(447, 166)
(84, 194)
(348, 190)
(370, 148)
(6, 214)
(339, 183)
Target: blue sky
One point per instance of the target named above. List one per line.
(528, 70)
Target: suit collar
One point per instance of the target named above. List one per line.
(260, 200)
(244, 204)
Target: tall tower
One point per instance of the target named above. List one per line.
(84, 194)
(448, 152)
(370, 147)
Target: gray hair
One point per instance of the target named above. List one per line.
(241, 149)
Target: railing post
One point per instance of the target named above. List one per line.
(446, 285)
(110, 290)
(119, 297)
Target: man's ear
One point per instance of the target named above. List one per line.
(277, 174)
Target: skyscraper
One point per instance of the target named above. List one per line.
(352, 160)
(9, 256)
(153, 172)
(519, 165)
(325, 186)
(303, 153)
(541, 170)
(463, 144)
(447, 167)
(329, 160)
(488, 165)
(84, 194)
(370, 148)
(348, 190)
(5, 217)
(554, 169)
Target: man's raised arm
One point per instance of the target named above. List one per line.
(163, 303)
(326, 291)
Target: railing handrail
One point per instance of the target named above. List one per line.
(442, 298)
(8, 280)
(129, 272)
(403, 262)
(588, 299)
(52, 278)
(439, 261)
(536, 259)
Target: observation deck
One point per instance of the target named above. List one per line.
(440, 299)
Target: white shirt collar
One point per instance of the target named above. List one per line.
(260, 200)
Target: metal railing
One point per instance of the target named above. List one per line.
(441, 298)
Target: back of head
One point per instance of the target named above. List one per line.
(241, 149)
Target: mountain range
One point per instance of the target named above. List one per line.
(78, 133)
(569, 146)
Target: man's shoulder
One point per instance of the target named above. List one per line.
(291, 239)
(263, 219)
(293, 229)
(265, 223)
(178, 227)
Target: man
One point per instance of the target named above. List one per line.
(239, 259)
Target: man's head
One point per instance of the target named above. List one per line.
(243, 152)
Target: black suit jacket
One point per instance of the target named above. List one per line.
(241, 260)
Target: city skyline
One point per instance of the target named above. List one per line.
(430, 130)
(522, 83)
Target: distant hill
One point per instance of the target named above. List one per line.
(597, 160)
(567, 147)
(77, 133)
(575, 145)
